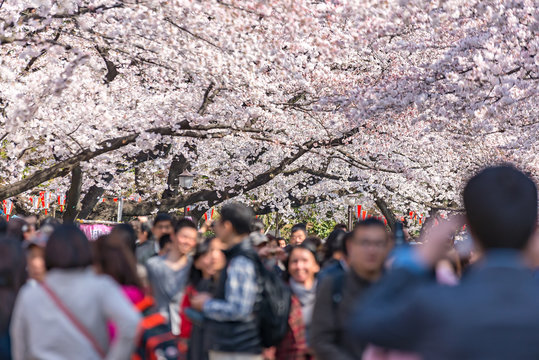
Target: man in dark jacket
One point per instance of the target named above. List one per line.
(493, 313)
(366, 250)
(232, 324)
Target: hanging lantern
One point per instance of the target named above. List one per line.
(35, 202)
(8, 208)
(186, 179)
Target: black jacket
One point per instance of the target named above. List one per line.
(329, 338)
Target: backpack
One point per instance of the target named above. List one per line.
(274, 307)
(156, 340)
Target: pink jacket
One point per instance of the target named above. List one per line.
(135, 295)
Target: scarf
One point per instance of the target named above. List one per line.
(306, 298)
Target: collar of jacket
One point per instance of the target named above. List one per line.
(244, 245)
(502, 258)
(358, 279)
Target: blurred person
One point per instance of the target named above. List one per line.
(335, 267)
(16, 228)
(168, 273)
(273, 256)
(165, 244)
(77, 301)
(3, 226)
(35, 257)
(208, 261)
(162, 224)
(145, 243)
(273, 243)
(48, 225)
(367, 248)
(333, 247)
(298, 234)
(231, 317)
(282, 242)
(258, 226)
(32, 225)
(126, 234)
(12, 278)
(258, 240)
(496, 316)
(342, 227)
(302, 268)
(112, 257)
(317, 244)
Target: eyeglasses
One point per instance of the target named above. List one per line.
(379, 244)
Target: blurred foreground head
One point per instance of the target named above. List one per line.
(501, 207)
(67, 248)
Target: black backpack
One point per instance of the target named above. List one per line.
(274, 307)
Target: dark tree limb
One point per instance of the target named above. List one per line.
(112, 71)
(212, 196)
(179, 165)
(62, 168)
(73, 195)
(207, 100)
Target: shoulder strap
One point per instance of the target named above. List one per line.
(74, 320)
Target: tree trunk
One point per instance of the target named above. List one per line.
(73, 195)
(386, 211)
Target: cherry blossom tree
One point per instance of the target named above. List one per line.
(278, 104)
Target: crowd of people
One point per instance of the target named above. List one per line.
(170, 291)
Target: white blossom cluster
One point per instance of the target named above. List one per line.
(396, 100)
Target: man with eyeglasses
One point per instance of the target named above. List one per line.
(366, 250)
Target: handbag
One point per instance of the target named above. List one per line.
(74, 321)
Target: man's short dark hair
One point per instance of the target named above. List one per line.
(299, 227)
(342, 227)
(501, 207)
(67, 248)
(368, 223)
(239, 215)
(184, 223)
(162, 217)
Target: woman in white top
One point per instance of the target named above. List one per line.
(66, 316)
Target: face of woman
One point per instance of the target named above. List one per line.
(302, 266)
(218, 257)
(35, 259)
(213, 261)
